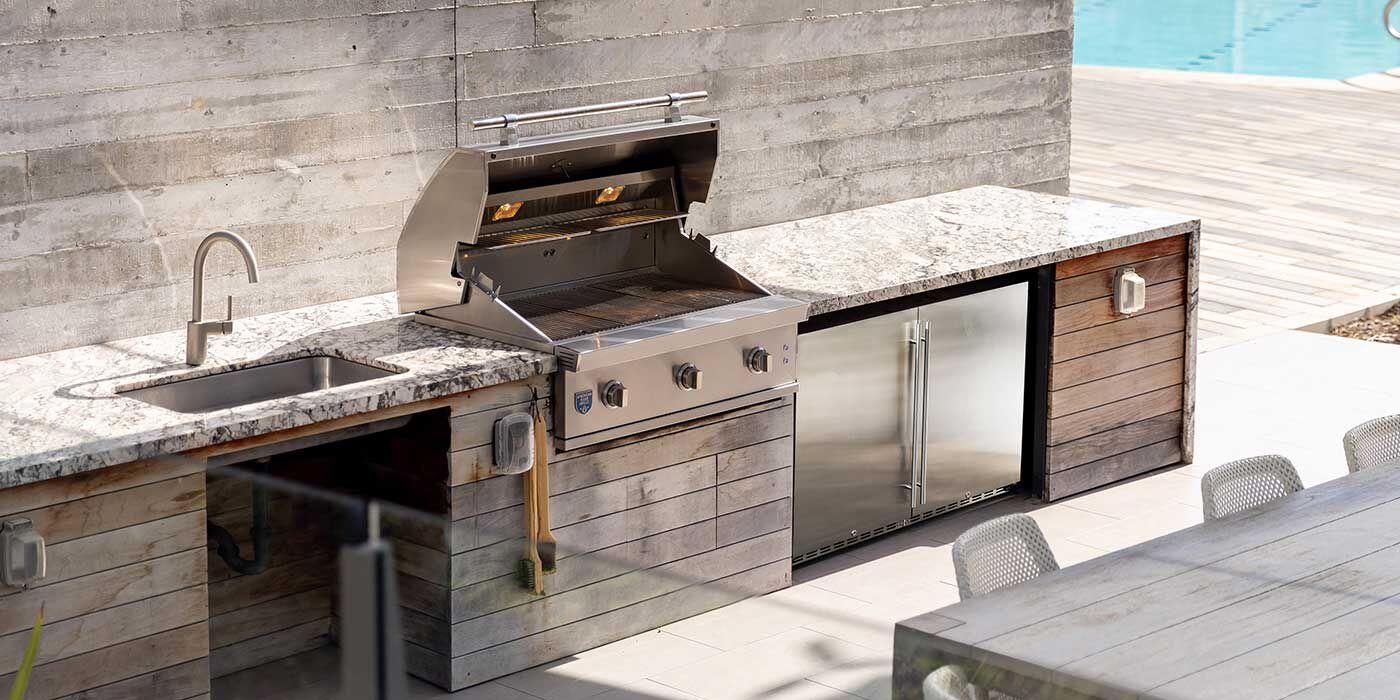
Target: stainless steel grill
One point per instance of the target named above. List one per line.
(575, 243)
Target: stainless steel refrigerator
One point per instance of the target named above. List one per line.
(908, 414)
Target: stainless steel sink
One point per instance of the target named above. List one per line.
(258, 383)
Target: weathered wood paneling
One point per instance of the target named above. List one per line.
(1116, 441)
(1111, 469)
(1118, 257)
(125, 598)
(129, 661)
(1116, 414)
(1088, 314)
(637, 520)
(1095, 285)
(522, 653)
(1119, 385)
(1118, 333)
(1115, 388)
(1116, 361)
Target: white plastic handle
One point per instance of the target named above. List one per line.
(1385, 17)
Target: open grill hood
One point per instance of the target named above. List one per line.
(542, 172)
(574, 243)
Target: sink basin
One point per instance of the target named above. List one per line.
(237, 387)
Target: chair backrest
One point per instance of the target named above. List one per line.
(1246, 483)
(1375, 443)
(1001, 552)
(948, 683)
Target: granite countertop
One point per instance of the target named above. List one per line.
(61, 414)
(862, 256)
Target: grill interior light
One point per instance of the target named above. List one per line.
(506, 211)
(609, 194)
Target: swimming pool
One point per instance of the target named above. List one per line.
(1304, 38)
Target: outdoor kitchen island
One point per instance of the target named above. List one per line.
(118, 487)
(967, 344)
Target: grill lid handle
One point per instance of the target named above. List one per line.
(671, 101)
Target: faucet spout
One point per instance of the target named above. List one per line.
(197, 331)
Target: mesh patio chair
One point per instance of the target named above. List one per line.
(1246, 483)
(1375, 443)
(1001, 552)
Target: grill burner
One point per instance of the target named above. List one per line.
(574, 244)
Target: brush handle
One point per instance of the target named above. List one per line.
(529, 497)
(542, 478)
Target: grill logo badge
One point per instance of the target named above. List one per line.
(583, 400)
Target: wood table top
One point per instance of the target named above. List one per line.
(1299, 598)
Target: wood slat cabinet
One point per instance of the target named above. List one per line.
(1121, 387)
(126, 595)
(652, 529)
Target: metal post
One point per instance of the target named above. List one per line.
(371, 637)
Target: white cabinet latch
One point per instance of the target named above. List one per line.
(22, 559)
(1129, 291)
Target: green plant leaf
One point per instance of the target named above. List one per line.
(21, 684)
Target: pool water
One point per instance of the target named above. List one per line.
(1303, 38)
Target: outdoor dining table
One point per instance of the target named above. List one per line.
(1299, 598)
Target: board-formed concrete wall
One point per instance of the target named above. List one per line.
(129, 130)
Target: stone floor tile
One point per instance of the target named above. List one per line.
(1068, 552)
(776, 667)
(754, 619)
(1149, 524)
(419, 690)
(646, 690)
(871, 625)
(868, 677)
(1064, 520)
(894, 577)
(609, 667)
(816, 570)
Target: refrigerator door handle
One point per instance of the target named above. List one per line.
(916, 340)
(925, 360)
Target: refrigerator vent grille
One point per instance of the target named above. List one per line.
(891, 527)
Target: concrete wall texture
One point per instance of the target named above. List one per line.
(128, 130)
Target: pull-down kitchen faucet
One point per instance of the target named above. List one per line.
(197, 331)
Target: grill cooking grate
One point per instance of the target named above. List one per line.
(575, 311)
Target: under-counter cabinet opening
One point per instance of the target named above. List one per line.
(279, 517)
(914, 408)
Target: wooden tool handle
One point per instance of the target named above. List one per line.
(532, 528)
(542, 478)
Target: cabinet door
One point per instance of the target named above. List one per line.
(854, 429)
(975, 403)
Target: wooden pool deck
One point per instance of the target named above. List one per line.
(1297, 182)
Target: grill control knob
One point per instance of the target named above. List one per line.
(689, 377)
(759, 361)
(614, 395)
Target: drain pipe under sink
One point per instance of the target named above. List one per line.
(223, 544)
